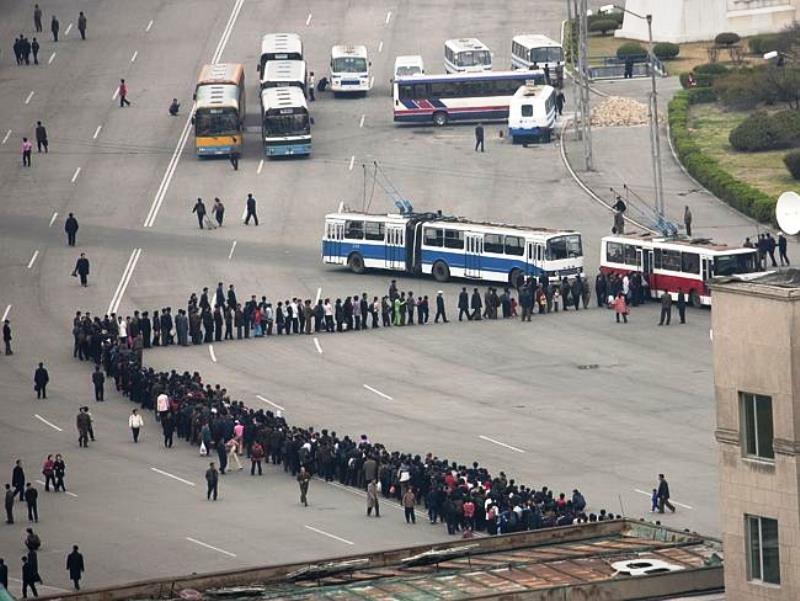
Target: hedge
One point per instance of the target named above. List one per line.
(666, 50)
(603, 26)
(631, 49)
(702, 95)
(727, 38)
(792, 161)
(767, 42)
(704, 169)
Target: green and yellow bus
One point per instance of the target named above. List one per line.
(219, 111)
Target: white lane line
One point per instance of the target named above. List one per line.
(135, 54)
(116, 91)
(260, 167)
(75, 175)
(6, 137)
(673, 501)
(51, 59)
(211, 352)
(308, 21)
(371, 82)
(44, 421)
(502, 444)
(233, 248)
(380, 46)
(33, 259)
(226, 33)
(319, 295)
(124, 281)
(378, 392)
(352, 162)
(69, 28)
(361, 123)
(70, 494)
(173, 476)
(149, 25)
(316, 343)
(28, 99)
(329, 535)
(244, 211)
(6, 312)
(53, 218)
(207, 546)
(268, 402)
(97, 132)
(388, 17)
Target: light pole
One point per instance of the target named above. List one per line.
(580, 9)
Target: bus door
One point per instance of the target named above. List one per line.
(334, 243)
(646, 268)
(707, 272)
(395, 246)
(473, 246)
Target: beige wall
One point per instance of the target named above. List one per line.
(756, 332)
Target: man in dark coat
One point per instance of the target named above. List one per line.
(41, 137)
(71, 227)
(200, 209)
(463, 304)
(440, 312)
(29, 578)
(9, 504)
(40, 381)
(3, 574)
(75, 566)
(98, 379)
(7, 336)
(32, 502)
(18, 480)
(666, 308)
(682, 305)
(663, 495)
(82, 269)
(476, 305)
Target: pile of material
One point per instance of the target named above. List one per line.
(618, 111)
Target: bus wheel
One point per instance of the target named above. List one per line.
(513, 277)
(441, 272)
(356, 263)
(440, 119)
(694, 298)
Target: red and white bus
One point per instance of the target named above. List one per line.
(674, 265)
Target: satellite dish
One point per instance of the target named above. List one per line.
(787, 212)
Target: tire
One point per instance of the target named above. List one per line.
(440, 118)
(694, 298)
(440, 271)
(356, 263)
(513, 277)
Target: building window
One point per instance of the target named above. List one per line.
(763, 560)
(756, 420)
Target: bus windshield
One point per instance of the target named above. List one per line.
(349, 64)
(216, 122)
(547, 54)
(472, 58)
(405, 71)
(733, 264)
(564, 247)
(286, 125)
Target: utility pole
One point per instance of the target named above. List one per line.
(656, 136)
(583, 74)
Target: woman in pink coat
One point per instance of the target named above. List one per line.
(621, 307)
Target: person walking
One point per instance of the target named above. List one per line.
(122, 91)
(251, 210)
(681, 305)
(312, 82)
(29, 577)
(40, 381)
(463, 305)
(687, 220)
(135, 423)
(75, 567)
(37, 18)
(71, 228)
(98, 380)
(440, 309)
(35, 49)
(54, 27)
(666, 308)
(372, 498)
(409, 501)
(303, 478)
(82, 25)
(782, 249)
(82, 269)
(200, 210)
(212, 481)
(26, 148)
(32, 501)
(663, 495)
(233, 157)
(60, 467)
(41, 137)
(561, 101)
(7, 337)
(83, 422)
(18, 479)
(9, 503)
(218, 210)
(479, 137)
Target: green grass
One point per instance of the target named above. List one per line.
(710, 126)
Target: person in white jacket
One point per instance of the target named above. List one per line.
(135, 422)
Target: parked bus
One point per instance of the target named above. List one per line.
(466, 55)
(350, 70)
(281, 74)
(529, 51)
(532, 114)
(439, 99)
(674, 265)
(285, 124)
(280, 47)
(219, 110)
(448, 247)
(406, 66)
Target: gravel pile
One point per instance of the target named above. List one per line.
(618, 111)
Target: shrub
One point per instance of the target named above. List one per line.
(755, 133)
(666, 50)
(741, 90)
(711, 69)
(631, 49)
(727, 38)
(603, 26)
(792, 161)
(788, 124)
(702, 95)
(767, 42)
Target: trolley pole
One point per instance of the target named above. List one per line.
(583, 70)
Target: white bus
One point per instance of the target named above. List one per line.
(531, 51)
(463, 55)
(532, 114)
(280, 47)
(285, 123)
(406, 66)
(281, 74)
(350, 70)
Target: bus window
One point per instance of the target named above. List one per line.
(434, 237)
(493, 243)
(671, 260)
(515, 246)
(526, 110)
(215, 122)
(566, 247)
(354, 230)
(690, 263)
(454, 239)
(733, 264)
(614, 252)
(373, 230)
(630, 255)
(657, 258)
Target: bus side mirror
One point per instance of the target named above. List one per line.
(312, 120)
(192, 119)
(194, 96)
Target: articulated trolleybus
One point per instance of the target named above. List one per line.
(674, 265)
(448, 247)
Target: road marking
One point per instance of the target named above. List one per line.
(75, 175)
(135, 54)
(244, 211)
(502, 444)
(51, 59)
(207, 546)
(380, 46)
(116, 91)
(378, 392)
(673, 501)
(371, 82)
(6, 312)
(66, 492)
(268, 402)
(149, 25)
(260, 167)
(329, 535)
(361, 123)
(316, 343)
(233, 248)
(44, 421)
(33, 259)
(124, 280)
(7, 136)
(69, 28)
(173, 476)
(40, 585)
(319, 295)
(53, 218)
(308, 21)
(352, 162)
(176, 155)
(97, 132)
(388, 17)
(211, 352)
(28, 99)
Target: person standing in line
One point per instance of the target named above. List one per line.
(218, 210)
(82, 423)
(782, 249)
(26, 148)
(256, 457)
(37, 18)
(312, 82)
(41, 137)
(82, 25)
(18, 479)
(35, 49)
(99, 380)
(479, 137)
(373, 499)
(440, 309)
(666, 308)
(9, 502)
(687, 220)
(122, 90)
(40, 381)
(200, 209)
(409, 503)
(75, 567)
(7, 337)
(663, 495)
(135, 423)
(71, 228)
(54, 27)
(681, 305)
(32, 501)
(303, 478)
(251, 210)
(212, 480)
(82, 269)
(29, 578)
